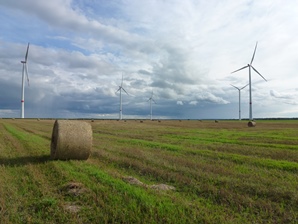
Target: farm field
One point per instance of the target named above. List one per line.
(152, 172)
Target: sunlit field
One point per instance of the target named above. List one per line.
(164, 171)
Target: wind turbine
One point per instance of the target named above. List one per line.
(151, 99)
(120, 89)
(249, 66)
(239, 90)
(25, 70)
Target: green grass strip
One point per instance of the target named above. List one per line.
(242, 159)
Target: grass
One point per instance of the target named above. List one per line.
(222, 173)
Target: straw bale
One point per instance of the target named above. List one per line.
(251, 124)
(71, 140)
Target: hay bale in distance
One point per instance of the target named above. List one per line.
(71, 140)
(251, 124)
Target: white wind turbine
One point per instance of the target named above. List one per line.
(249, 68)
(151, 99)
(25, 70)
(120, 89)
(239, 90)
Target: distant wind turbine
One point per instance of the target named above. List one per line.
(239, 90)
(249, 67)
(25, 70)
(151, 99)
(120, 89)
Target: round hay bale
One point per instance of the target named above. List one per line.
(71, 140)
(251, 124)
(216, 121)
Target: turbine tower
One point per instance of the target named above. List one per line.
(25, 70)
(151, 99)
(120, 89)
(249, 66)
(239, 90)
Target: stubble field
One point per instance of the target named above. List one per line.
(152, 172)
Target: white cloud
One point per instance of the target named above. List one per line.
(193, 102)
(277, 94)
(185, 50)
(285, 97)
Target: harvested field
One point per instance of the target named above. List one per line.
(152, 172)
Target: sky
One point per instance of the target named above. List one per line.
(181, 51)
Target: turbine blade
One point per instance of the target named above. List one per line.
(258, 73)
(153, 101)
(27, 53)
(118, 89)
(253, 56)
(240, 69)
(122, 80)
(124, 90)
(235, 87)
(26, 69)
(244, 86)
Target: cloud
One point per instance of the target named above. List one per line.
(182, 50)
(285, 97)
(211, 98)
(277, 94)
(193, 102)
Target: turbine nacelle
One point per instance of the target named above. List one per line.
(239, 88)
